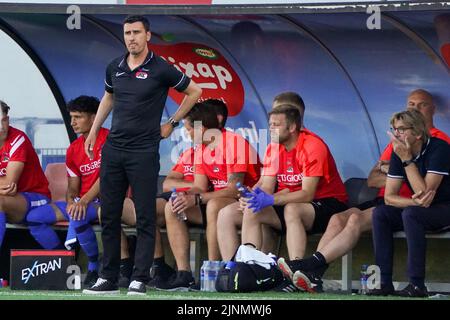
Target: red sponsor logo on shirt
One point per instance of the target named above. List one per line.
(219, 183)
(90, 167)
(188, 169)
(209, 69)
(3, 172)
(290, 178)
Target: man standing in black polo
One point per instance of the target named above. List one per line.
(136, 85)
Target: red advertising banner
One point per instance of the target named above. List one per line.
(208, 68)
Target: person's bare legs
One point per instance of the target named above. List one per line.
(335, 226)
(212, 211)
(349, 236)
(160, 222)
(14, 207)
(269, 240)
(228, 223)
(252, 225)
(299, 218)
(178, 234)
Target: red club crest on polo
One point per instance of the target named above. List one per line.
(209, 69)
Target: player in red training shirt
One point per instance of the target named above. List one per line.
(230, 217)
(23, 185)
(222, 159)
(309, 192)
(82, 197)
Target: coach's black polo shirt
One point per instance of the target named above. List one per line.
(139, 99)
(434, 158)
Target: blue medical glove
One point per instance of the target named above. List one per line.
(260, 200)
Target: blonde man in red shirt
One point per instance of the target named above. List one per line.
(309, 192)
(230, 217)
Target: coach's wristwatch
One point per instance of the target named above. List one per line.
(173, 122)
(407, 163)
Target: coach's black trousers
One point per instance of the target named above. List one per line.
(415, 221)
(140, 170)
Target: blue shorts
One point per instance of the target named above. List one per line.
(34, 200)
(62, 206)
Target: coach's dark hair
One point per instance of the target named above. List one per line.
(5, 107)
(83, 104)
(220, 108)
(137, 18)
(204, 113)
(292, 114)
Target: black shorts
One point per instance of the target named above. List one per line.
(166, 196)
(378, 201)
(323, 208)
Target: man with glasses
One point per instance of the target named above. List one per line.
(345, 228)
(423, 162)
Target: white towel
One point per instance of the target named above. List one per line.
(251, 255)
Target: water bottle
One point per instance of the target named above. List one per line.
(207, 276)
(180, 215)
(203, 271)
(213, 275)
(364, 275)
(243, 190)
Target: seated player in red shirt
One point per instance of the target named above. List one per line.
(180, 177)
(230, 217)
(310, 189)
(23, 185)
(82, 203)
(222, 159)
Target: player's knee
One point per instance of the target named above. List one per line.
(41, 215)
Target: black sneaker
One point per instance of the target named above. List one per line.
(286, 286)
(182, 282)
(161, 275)
(306, 281)
(413, 291)
(163, 270)
(90, 279)
(385, 290)
(195, 287)
(288, 267)
(103, 286)
(159, 281)
(136, 288)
